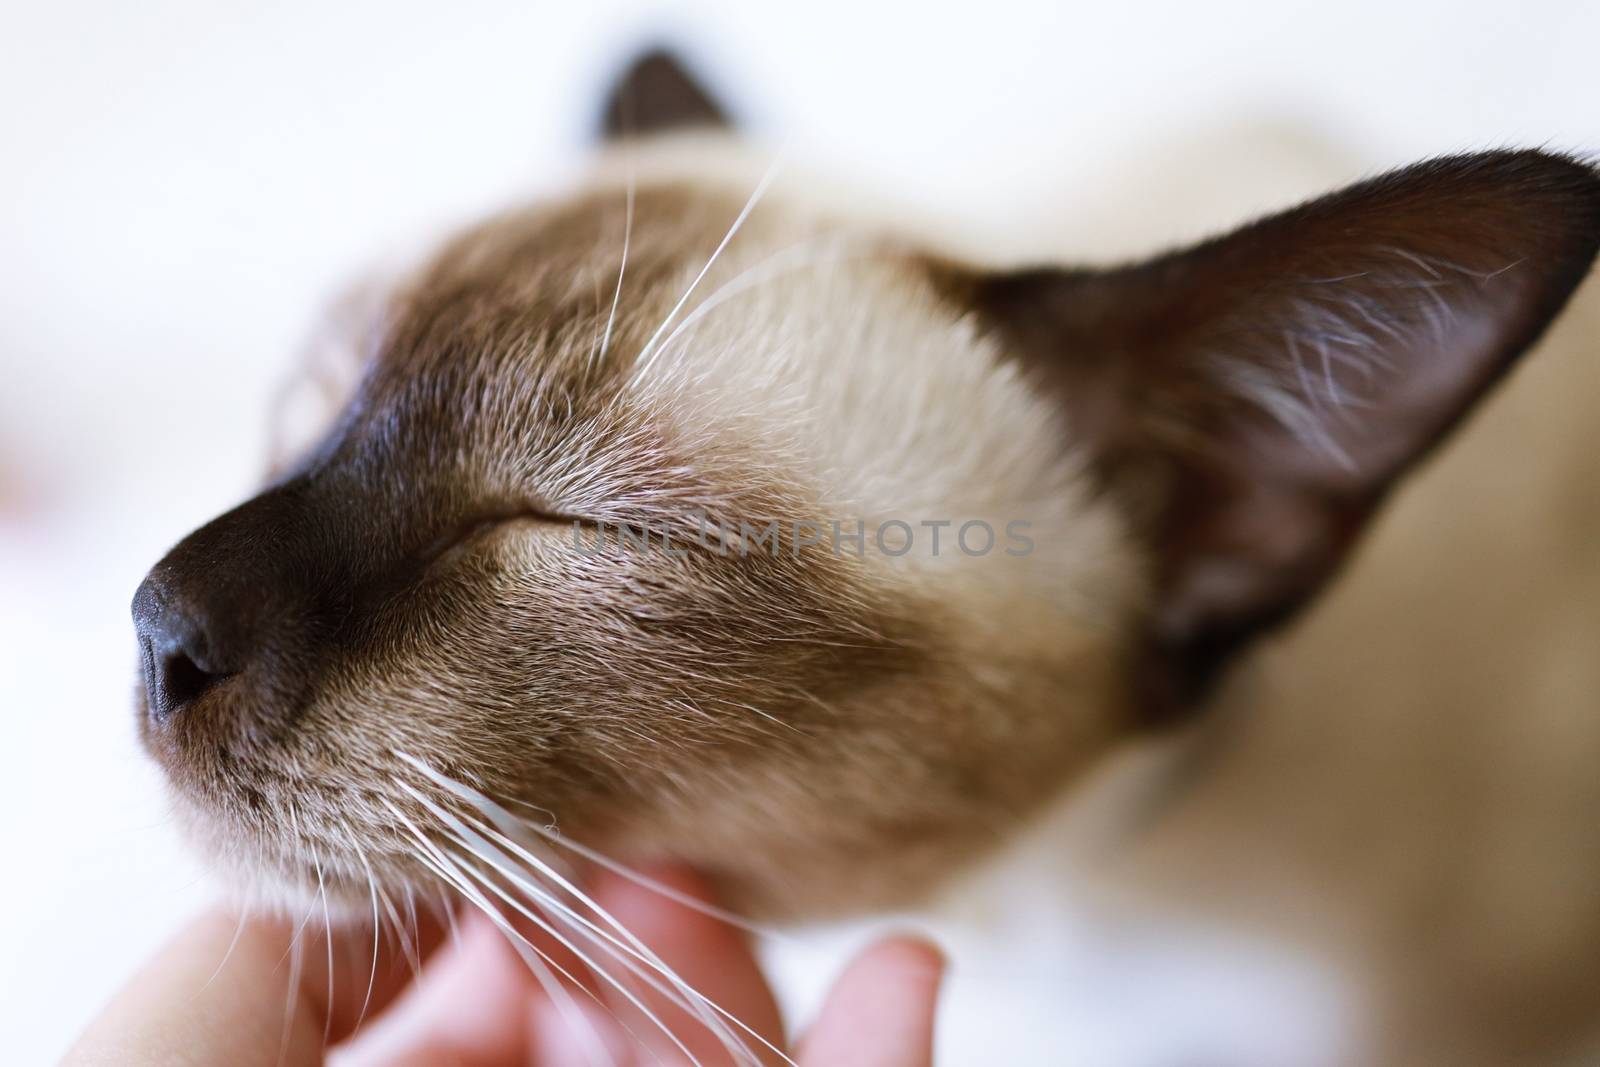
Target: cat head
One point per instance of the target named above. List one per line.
(683, 517)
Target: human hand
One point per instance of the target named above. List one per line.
(478, 1004)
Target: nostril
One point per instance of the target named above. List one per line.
(182, 680)
(173, 679)
(176, 650)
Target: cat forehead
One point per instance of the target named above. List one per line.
(577, 293)
(649, 332)
(654, 294)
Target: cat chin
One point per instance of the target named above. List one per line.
(289, 880)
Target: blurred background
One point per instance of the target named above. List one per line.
(185, 185)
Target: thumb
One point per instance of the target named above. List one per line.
(220, 993)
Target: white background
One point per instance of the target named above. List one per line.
(183, 183)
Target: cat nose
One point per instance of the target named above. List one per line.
(180, 653)
(245, 603)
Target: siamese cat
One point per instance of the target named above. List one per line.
(690, 519)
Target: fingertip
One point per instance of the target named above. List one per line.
(901, 971)
(909, 955)
(880, 1012)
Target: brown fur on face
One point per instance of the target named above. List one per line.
(781, 718)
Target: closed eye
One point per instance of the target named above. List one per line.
(469, 530)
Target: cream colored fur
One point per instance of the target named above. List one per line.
(1385, 849)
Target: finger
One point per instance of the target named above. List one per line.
(708, 955)
(880, 1012)
(570, 1023)
(224, 991)
(386, 964)
(471, 1007)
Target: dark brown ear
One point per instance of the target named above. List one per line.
(1252, 399)
(656, 95)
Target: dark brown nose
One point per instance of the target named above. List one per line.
(260, 593)
(220, 602)
(180, 648)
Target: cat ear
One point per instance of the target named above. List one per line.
(1252, 399)
(657, 95)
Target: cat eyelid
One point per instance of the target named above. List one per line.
(471, 528)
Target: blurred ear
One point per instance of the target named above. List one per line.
(657, 95)
(1252, 399)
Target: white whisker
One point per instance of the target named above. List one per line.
(530, 915)
(539, 962)
(537, 920)
(795, 257)
(407, 948)
(327, 937)
(647, 353)
(616, 297)
(411, 916)
(238, 931)
(511, 823)
(674, 988)
(689, 997)
(377, 928)
(292, 996)
(435, 859)
(598, 971)
(705, 1009)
